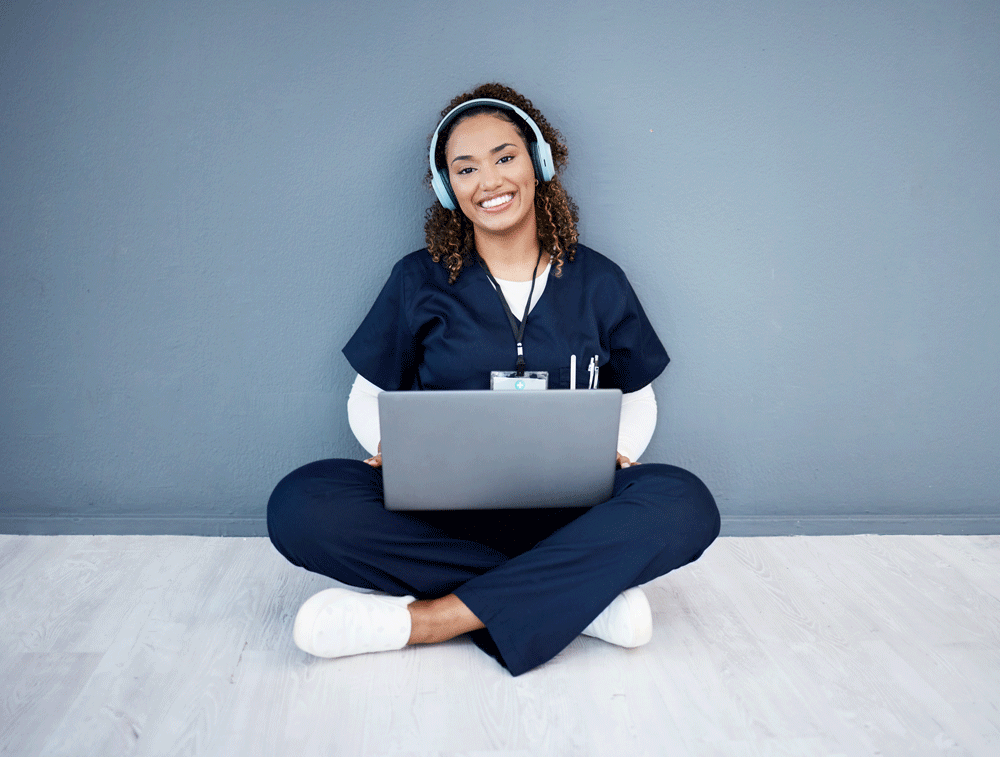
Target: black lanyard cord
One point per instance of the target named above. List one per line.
(516, 329)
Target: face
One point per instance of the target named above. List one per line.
(491, 174)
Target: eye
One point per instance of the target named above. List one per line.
(506, 159)
(464, 171)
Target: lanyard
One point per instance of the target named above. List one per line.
(516, 329)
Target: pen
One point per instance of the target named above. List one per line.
(590, 385)
(572, 371)
(597, 370)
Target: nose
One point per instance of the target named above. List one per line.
(489, 177)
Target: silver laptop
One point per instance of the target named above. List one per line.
(460, 450)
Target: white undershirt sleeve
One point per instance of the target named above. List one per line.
(362, 413)
(638, 421)
(638, 418)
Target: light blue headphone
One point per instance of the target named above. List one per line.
(541, 151)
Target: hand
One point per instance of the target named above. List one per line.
(623, 462)
(375, 461)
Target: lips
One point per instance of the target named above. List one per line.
(495, 202)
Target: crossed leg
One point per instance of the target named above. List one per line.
(524, 582)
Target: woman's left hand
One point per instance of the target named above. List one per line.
(375, 461)
(623, 462)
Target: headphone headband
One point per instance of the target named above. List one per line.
(541, 151)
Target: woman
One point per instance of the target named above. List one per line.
(523, 583)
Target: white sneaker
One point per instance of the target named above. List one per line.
(341, 622)
(627, 621)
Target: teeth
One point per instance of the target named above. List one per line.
(497, 201)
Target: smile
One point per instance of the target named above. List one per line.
(495, 202)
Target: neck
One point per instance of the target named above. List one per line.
(509, 257)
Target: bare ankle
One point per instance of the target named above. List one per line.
(436, 620)
(420, 623)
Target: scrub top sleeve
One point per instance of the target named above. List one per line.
(384, 349)
(637, 355)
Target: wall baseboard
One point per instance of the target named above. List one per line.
(740, 525)
(125, 525)
(842, 525)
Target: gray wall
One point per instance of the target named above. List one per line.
(200, 200)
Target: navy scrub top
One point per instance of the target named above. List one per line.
(424, 333)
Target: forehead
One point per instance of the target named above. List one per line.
(480, 134)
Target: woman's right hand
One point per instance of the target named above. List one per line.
(621, 462)
(375, 461)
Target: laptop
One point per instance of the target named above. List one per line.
(461, 450)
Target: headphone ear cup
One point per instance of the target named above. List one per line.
(545, 166)
(440, 185)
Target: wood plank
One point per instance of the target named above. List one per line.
(35, 691)
(723, 671)
(856, 666)
(782, 645)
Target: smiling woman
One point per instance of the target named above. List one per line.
(450, 234)
(492, 177)
(501, 239)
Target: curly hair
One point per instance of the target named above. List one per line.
(450, 235)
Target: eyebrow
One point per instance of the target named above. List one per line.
(493, 151)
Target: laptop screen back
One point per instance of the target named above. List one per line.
(455, 450)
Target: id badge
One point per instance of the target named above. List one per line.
(509, 381)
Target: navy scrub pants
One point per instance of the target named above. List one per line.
(535, 578)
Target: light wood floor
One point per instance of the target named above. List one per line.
(842, 645)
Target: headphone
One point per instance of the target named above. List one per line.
(541, 151)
